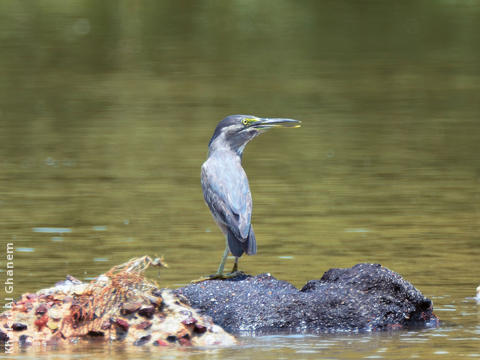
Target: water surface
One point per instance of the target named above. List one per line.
(106, 109)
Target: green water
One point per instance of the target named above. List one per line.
(106, 109)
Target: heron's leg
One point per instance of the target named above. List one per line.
(219, 275)
(235, 265)
(224, 260)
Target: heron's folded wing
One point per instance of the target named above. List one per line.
(229, 199)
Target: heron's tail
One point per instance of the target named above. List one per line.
(238, 247)
(251, 243)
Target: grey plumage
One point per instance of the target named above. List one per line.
(227, 194)
(224, 182)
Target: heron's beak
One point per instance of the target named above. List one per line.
(264, 123)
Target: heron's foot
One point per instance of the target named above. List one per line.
(219, 276)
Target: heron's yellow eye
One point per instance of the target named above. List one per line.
(245, 121)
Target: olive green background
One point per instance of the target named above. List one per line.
(107, 107)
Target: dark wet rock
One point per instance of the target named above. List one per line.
(147, 311)
(199, 329)
(142, 341)
(96, 333)
(41, 309)
(130, 308)
(366, 297)
(19, 327)
(25, 340)
(171, 338)
(144, 325)
(122, 324)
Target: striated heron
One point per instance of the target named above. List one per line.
(225, 184)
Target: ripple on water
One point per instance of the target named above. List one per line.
(357, 230)
(99, 228)
(56, 230)
(25, 249)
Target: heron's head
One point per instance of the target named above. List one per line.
(235, 131)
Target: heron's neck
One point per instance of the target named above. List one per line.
(225, 154)
(233, 149)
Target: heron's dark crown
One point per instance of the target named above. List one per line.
(225, 123)
(230, 134)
